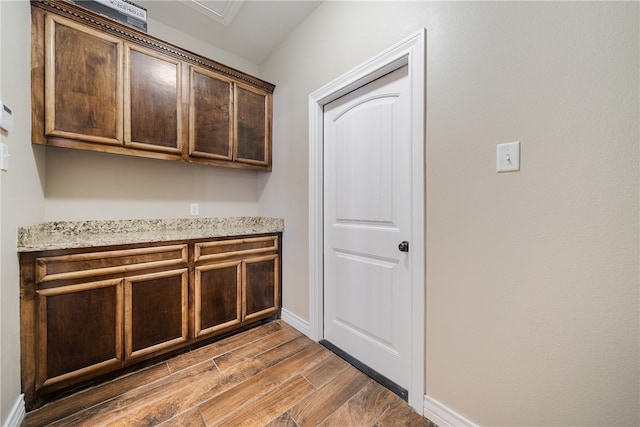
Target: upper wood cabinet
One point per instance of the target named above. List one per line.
(83, 83)
(152, 101)
(102, 86)
(211, 130)
(228, 120)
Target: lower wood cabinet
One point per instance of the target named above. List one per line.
(86, 313)
(237, 280)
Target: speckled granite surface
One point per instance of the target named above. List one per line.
(81, 234)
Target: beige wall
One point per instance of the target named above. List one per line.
(22, 190)
(532, 283)
(532, 277)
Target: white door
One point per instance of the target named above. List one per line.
(367, 214)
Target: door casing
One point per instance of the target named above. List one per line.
(410, 52)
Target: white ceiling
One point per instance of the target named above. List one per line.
(255, 30)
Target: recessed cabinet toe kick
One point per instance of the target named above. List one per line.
(88, 312)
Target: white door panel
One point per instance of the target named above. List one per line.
(367, 213)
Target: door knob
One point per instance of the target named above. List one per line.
(403, 246)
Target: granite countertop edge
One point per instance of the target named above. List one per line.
(85, 234)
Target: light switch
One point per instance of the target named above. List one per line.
(508, 157)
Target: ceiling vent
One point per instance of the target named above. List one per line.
(222, 11)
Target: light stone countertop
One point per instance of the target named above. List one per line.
(85, 234)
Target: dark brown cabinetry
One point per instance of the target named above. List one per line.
(89, 312)
(102, 86)
(83, 83)
(152, 101)
(236, 280)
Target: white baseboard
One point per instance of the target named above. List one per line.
(16, 416)
(296, 321)
(444, 416)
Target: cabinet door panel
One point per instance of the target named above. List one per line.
(80, 329)
(155, 312)
(83, 83)
(261, 281)
(152, 101)
(210, 124)
(253, 133)
(217, 297)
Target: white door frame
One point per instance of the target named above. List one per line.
(410, 52)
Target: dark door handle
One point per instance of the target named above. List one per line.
(403, 246)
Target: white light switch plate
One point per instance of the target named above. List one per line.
(508, 159)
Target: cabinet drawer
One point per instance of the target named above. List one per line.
(228, 248)
(77, 266)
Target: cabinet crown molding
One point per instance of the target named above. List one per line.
(87, 17)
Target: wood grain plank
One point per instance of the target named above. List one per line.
(257, 347)
(283, 379)
(133, 400)
(267, 381)
(402, 415)
(223, 346)
(187, 395)
(261, 410)
(364, 408)
(324, 372)
(277, 354)
(191, 418)
(84, 399)
(283, 420)
(319, 405)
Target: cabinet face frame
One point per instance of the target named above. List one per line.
(128, 113)
(51, 22)
(129, 283)
(42, 379)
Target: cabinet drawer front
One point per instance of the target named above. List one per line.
(228, 248)
(76, 266)
(83, 83)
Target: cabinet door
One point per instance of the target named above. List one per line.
(253, 126)
(83, 83)
(153, 118)
(210, 108)
(260, 278)
(155, 311)
(79, 330)
(217, 297)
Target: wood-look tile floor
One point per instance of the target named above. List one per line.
(271, 375)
